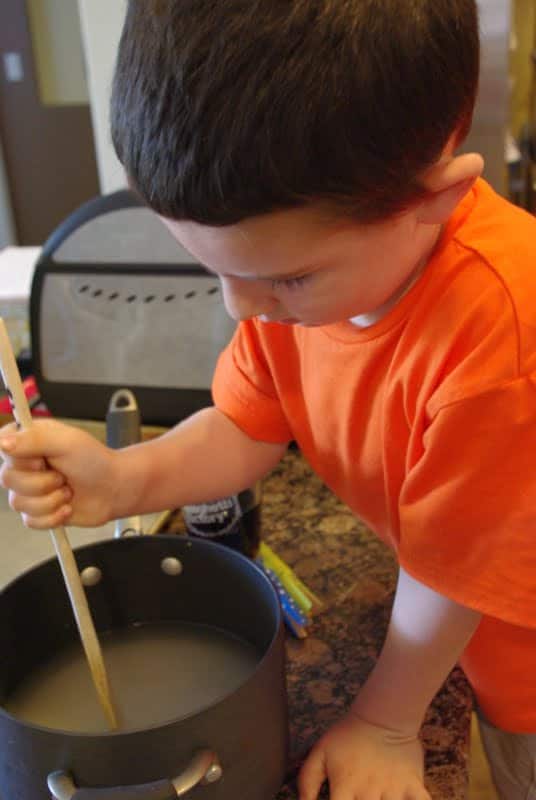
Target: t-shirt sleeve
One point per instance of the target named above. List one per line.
(468, 504)
(244, 390)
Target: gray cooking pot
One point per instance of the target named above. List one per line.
(234, 748)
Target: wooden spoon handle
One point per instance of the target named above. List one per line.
(84, 622)
(71, 575)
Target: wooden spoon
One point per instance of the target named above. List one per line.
(71, 576)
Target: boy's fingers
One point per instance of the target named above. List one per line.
(419, 793)
(312, 776)
(341, 787)
(415, 791)
(346, 793)
(27, 464)
(50, 521)
(40, 506)
(31, 484)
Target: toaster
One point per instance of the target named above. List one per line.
(117, 303)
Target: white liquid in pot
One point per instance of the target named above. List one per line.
(158, 673)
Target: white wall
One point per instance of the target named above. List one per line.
(7, 231)
(101, 22)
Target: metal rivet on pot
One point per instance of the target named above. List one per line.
(91, 576)
(171, 566)
(213, 774)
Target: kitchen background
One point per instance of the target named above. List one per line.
(56, 61)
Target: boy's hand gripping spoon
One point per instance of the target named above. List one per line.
(71, 576)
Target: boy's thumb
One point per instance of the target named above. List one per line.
(8, 443)
(10, 451)
(23, 444)
(46, 439)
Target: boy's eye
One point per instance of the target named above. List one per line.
(291, 283)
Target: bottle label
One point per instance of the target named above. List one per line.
(211, 520)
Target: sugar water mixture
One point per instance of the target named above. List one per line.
(157, 672)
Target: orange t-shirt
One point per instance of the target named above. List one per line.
(425, 425)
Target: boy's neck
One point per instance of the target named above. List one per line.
(372, 317)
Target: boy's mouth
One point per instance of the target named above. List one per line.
(287, 321)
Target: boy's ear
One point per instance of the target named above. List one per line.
(448, 182)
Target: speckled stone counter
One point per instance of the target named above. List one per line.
(355, 574)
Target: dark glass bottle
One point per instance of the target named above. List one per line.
(233, 521)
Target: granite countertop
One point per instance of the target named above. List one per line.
(355, 575)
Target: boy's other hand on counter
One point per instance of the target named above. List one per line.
(57, 474)
(364, 762)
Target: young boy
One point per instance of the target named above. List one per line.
(304, 151)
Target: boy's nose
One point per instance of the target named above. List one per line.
(245, 299)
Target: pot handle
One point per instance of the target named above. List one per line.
(123, 428)
(204, 768)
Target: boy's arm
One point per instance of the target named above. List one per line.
(57, 474)
(374, 749)
(426, 636)
(203, 458)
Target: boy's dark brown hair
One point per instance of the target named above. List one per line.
(226, 109)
